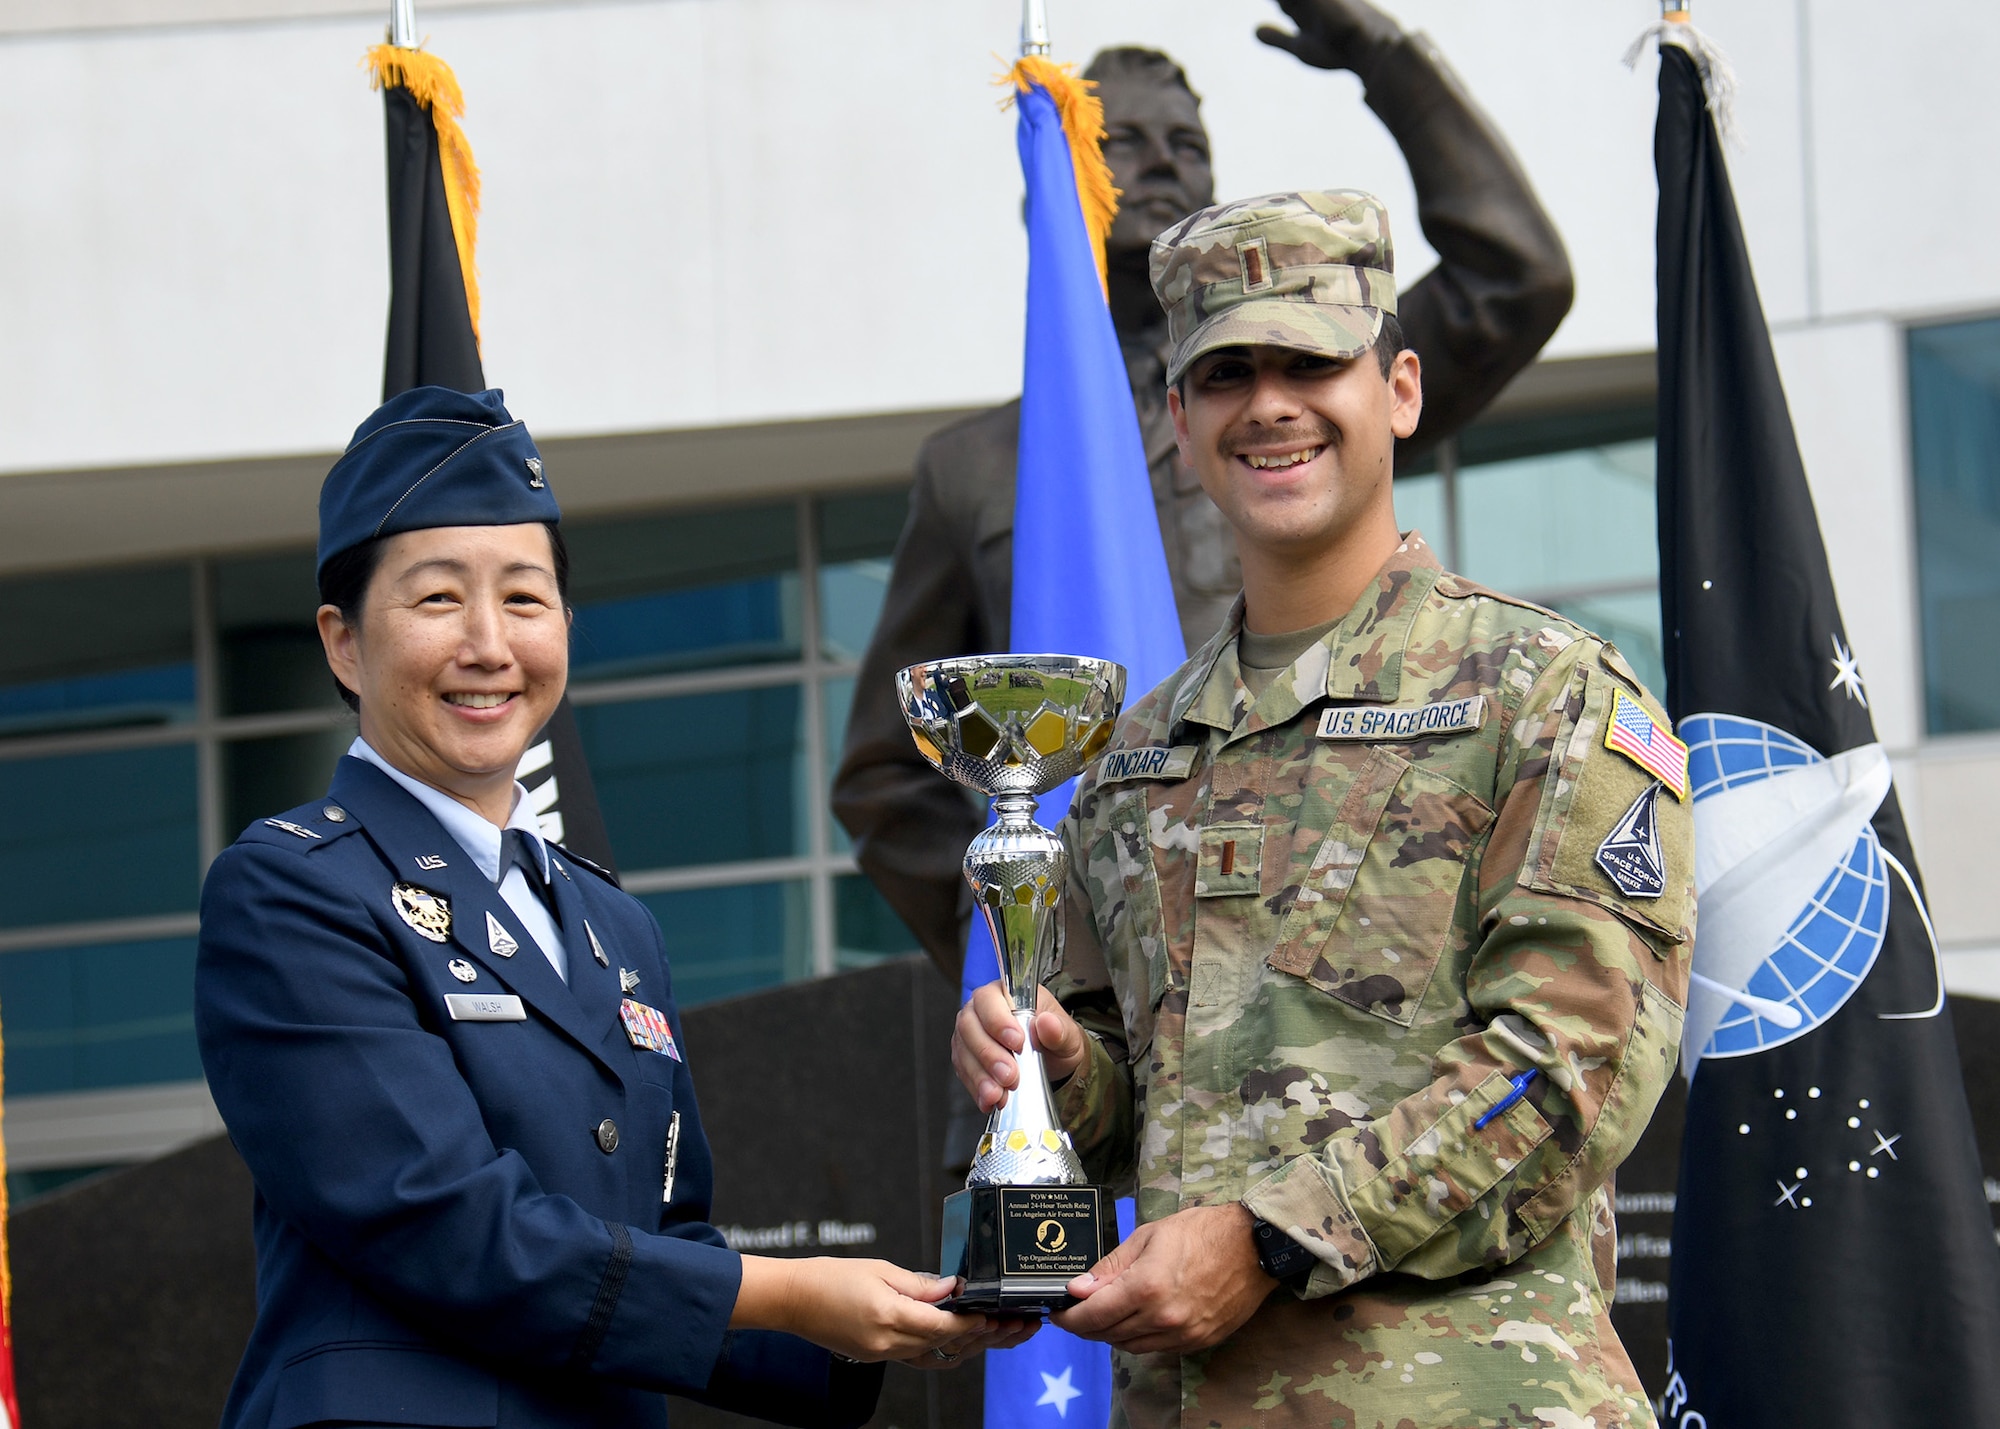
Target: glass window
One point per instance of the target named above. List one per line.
(113, 834)
(1955, 450)
(97, 650)
(119, 1014)
(866, 928)
(267, 638)
(262, 777)
(734, 939)
(711, 778)
(686, 591)
(1570, 529)
(857, 537)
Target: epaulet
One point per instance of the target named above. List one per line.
(308, 827)
(581, 862)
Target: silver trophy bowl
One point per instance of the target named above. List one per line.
(1014, 727)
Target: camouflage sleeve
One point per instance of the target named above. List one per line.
(1570, 976)
(1096, 1103)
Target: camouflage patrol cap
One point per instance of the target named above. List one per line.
(1313, 271)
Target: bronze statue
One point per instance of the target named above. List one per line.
(1501, 286)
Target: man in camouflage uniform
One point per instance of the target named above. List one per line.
(1501, 286)
(1375, 949)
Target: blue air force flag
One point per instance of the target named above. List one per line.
(1833, 1261)
(1090, 578)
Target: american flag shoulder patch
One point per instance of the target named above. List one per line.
(1647, 743)
(647, 1028)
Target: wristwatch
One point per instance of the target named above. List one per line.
(1282, 1258)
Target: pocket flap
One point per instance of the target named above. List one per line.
(385, 1384)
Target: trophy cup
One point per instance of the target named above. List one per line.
(1014, 727)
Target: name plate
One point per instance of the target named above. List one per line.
(1154, 762)
(1374, 722)
(484, 1007)
(1048, 1230)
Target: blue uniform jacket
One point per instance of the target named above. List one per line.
(448, 1232)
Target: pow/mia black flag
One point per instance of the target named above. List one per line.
(1833, 1261)
(434, 341)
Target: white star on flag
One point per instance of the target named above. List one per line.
(1847, 672)
(1058, 1391)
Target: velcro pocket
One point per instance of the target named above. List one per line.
(1370, 923)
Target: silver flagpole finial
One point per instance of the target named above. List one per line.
(1034, 27)
(403, 24)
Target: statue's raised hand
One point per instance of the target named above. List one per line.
(1333, 34)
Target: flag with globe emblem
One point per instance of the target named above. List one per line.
(1833, 1260)
(1090, 572)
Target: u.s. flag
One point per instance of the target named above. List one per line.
(1647, 743)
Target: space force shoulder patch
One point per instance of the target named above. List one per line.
(1157, 761)
(1367, 723)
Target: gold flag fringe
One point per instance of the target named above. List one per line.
(1083, 123)
(431, 83)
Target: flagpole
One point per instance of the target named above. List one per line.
(1034, 27)
(403, 24)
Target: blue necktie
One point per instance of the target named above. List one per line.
(519, 847)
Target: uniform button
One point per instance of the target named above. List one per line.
(607, 1136)
(334, 814)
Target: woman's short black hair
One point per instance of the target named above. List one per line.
(343, 583)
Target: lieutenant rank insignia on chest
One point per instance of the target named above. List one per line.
(423, 910)
(647, 1029)
(1647, 743)
(1367, 723)
(1630, 854)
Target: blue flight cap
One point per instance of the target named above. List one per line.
(433, 457)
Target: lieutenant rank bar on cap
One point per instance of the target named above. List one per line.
(1372, 722)
(1648, 744)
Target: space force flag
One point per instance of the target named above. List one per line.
(1833, 1260)
(434, 342)
(1090, 573)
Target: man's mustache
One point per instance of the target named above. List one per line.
(1318, 432)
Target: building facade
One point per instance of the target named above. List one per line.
(738, 258)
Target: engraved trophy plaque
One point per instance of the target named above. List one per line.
(1014, 727)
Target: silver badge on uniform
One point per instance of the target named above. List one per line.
(628, 980)
(484, 1007)
(597, 948)
(535, 472)
(499, 939)
(429, 862)
(1630, 854)
(423, 910)
(291, 828)
(461, 969)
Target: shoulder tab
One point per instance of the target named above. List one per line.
(581, 862)
(1457, 587)
(309, 826)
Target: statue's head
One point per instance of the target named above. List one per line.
(1155, 143)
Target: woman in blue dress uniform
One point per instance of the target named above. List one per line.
(449, 1052)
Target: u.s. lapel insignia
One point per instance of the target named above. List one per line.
(1630, 854)
(499, 939)
(423, 910)
(628, 981)
(429, 862)
(596, 948)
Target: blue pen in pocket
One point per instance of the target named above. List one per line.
(1519, 1081)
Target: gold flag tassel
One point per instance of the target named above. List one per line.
(1083, 123)
(431, 83)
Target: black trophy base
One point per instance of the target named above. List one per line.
(1015, 1248)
